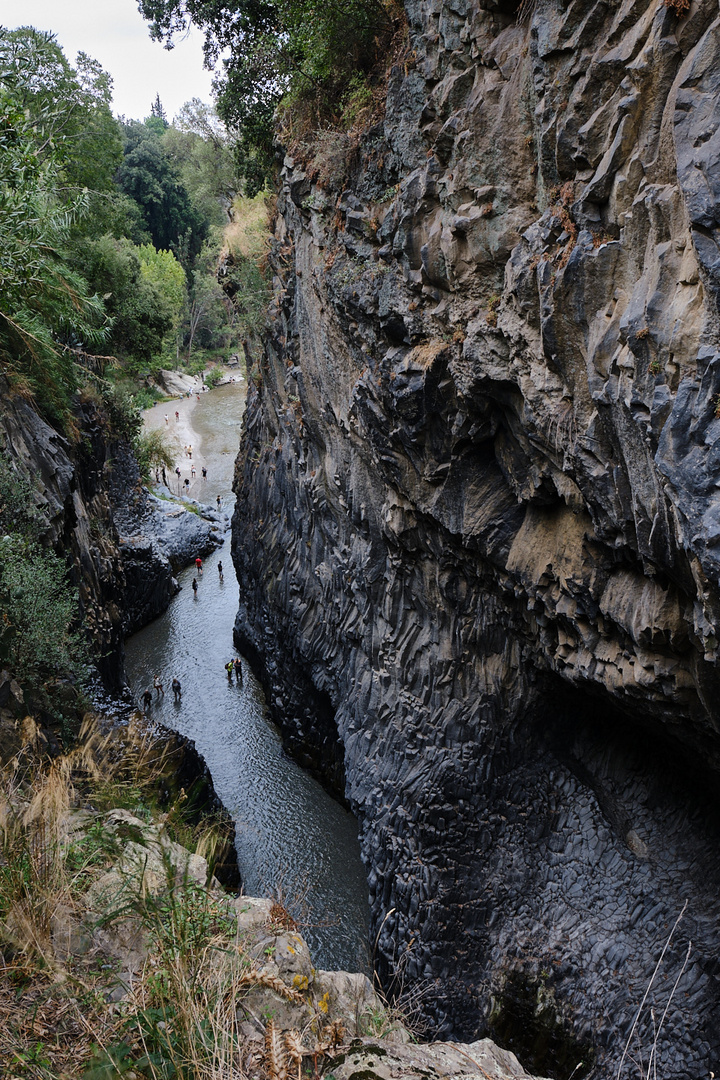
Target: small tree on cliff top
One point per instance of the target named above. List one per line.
(276, 47)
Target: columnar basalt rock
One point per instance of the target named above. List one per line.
(477, 519)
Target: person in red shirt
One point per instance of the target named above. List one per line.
(198, 565)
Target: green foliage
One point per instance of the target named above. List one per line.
(359, 96)
(146, 397)
(167, 277)
(38, 606)
(95, 848)
(201, 150)
(245, 281)
(151, 450)
(17, 497)
(142, 305)
(157, 112)
(38, 610)
(207, 325)
(213, 377)
(122, 410)
(103, 228)
(276, 47)
(249, 289)
(45, 304)
(71, 107)
(148, 176)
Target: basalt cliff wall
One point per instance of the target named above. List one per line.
(478, 518)
(71, 490)
(122, 545)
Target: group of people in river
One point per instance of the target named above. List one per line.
(199, 574)
(186, 482)
(160, 692)
(233, 667)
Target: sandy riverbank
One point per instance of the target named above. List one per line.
(181, 434)
(190, 428)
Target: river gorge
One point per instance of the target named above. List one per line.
(293, 839)
(466, 502)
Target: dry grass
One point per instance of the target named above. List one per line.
(72, 1001)
(248, 234)
(53, 843)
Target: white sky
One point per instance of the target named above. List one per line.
(114, 33)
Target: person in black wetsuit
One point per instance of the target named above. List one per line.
(147, 700)
(177, 689)
(238, 671)
(220, 571)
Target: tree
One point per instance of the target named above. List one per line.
(38, 611)
(200, 148)
(276, 47)
(70, 106)
(148, 176)
(162, 270)
(156, 110)
(142, 313)
(46, 307)
(165, 273)
(39, 606)
(153, 451)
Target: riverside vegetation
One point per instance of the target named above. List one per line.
(112, 231)
(120, 952)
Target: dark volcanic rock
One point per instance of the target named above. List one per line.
(123, 545)
(71, 494)
(158, 537)
(477, 520)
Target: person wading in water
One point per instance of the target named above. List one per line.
(177, 690)
(194, 587)
(229, 668)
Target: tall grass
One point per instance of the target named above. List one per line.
(65, 1012)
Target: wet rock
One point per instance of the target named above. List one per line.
(158, 537)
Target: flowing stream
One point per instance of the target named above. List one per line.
(292, 837)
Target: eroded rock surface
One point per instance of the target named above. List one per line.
(71, 495)
(478, 513)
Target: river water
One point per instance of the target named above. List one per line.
(292, 837)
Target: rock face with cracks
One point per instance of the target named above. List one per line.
(478, 519)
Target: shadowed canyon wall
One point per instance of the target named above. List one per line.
(478, 518)
(86, 491)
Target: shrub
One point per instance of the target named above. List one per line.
(213, 377)
(39, 607)
(317, 53)
(152, 450)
